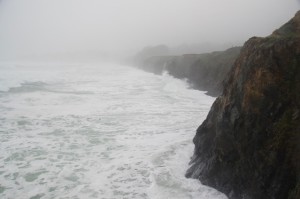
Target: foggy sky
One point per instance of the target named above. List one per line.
(126, 26)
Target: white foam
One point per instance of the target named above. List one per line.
(98, 132)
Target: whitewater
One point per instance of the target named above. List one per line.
(103, 131)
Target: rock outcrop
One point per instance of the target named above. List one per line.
(203, 71)
(249, 145)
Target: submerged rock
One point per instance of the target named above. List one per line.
(249, 145)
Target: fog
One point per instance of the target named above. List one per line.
(37, 28)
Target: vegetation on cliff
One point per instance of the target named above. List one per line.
(248, 146)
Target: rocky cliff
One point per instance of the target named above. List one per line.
(249, 145)
(203, 71)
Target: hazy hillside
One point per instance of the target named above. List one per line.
(203, 71)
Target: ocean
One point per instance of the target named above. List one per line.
(101, 130)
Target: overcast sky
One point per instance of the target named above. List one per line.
(41, 26)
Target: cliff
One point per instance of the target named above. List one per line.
(203, 71)
(249, 145)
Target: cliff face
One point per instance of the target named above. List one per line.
(249, 145)
(203, 71)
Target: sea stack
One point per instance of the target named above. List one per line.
(249, 145)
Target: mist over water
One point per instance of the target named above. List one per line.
(98, 29)
(97, 131)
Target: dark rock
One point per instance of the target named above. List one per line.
(249, 145)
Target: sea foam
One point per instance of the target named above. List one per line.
(90, 131)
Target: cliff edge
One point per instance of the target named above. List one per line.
(249, 145)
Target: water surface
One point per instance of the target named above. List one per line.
(97, 131)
